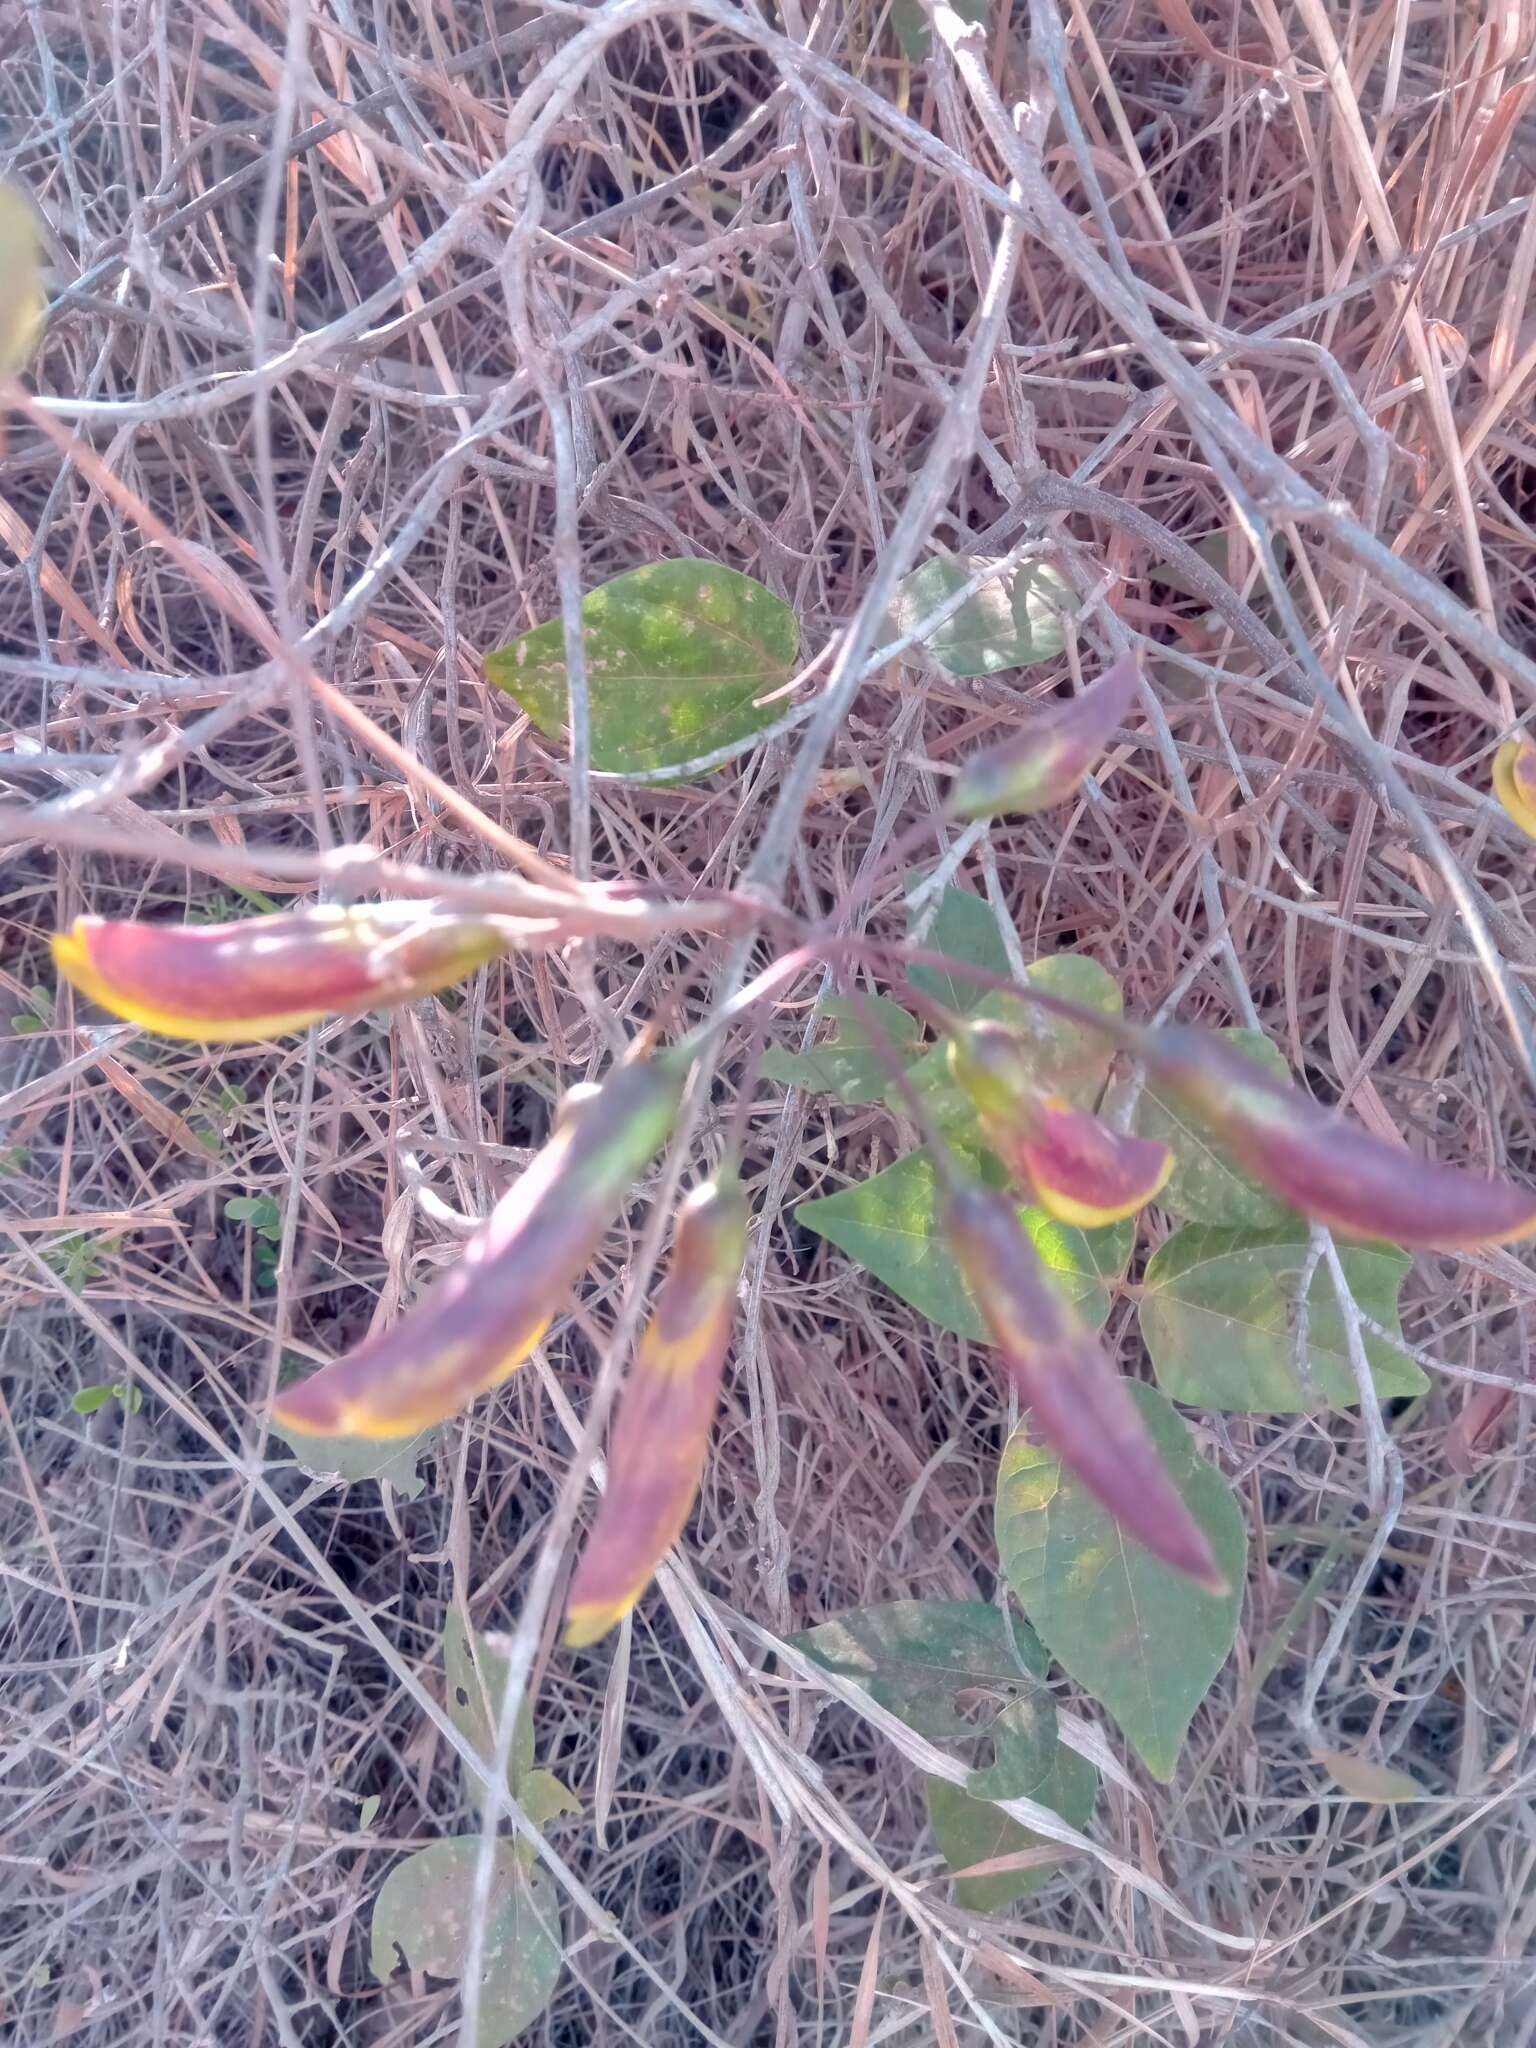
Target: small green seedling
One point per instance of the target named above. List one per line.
(264, 1219)
(89, 1399)
(37, 1016)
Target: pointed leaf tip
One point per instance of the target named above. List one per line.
(1143, 1639)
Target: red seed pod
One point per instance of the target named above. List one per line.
(1077, 1401)
(661, 1433)
(1077, 1169)
(490, 1309)
(1329, 1169)
(263, 976)
(1047, 761)
(1082, 1172)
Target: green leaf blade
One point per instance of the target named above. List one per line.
(424, 1911)
(1016, 619)
(913, 34)
(680, 658)
(852, 1061)
(965, 929)
(971, 1830)
(917, 1657)
(351, 1458)
(1143, 1639)
(23, 302)
(1219, 1317)
(890, 1226)
(954, 1671)
(1060, 1055)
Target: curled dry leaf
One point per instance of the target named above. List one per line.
(1380, 1784)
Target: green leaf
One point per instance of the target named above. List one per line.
(1065, 1057)
(889, 1225)
(352, 1458)
(1143, 1639)
(476, 1686)
(964, 929)
(948, 1669)
(476, 1675)
(970, 1830)
(259, 1213)
(1362, 1779)
(1012, 621)
(89, 1399)
(1023, 1744)
(680, 656)
(1219, 1317)
(1206, 1185)
(909, 18)
(543, 1797)
(847, 1063)
(918, 1658)
(368, 1812)
(424, 1911)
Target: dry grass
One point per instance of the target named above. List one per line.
(206, 1672)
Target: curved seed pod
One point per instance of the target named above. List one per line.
(1077, 1401)
(1077, 1169)
(263, 976)
(1082, 1172)
(1327, 1168)
(1046, 763)
(490, 1309)
(661, 1432)
(1514, 781)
